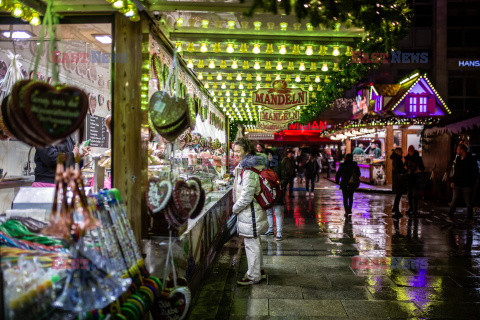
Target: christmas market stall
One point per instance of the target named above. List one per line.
(387, 117)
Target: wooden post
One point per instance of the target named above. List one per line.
(404, 141)
(348, 146)
(388, 147)
(127, 154)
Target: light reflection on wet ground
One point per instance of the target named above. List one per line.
(366, 265)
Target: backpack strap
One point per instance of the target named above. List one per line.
(251, 169)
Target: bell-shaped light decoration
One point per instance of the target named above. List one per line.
(219, 77)
(206, 86)
(190, 47)
(249, 86)
(256, 48)
(216, 48)
(307, 79)
(256, 66)
(243, 48)
(224, 86)
(245, 64)
(209, 77)
(229, 76)
(240, 86)
(257, 25)
(203, 47)
(258, 78)
(302, 66)
(327, 79)
(239, 77)
(200, 75)
(335, 51)
(313, 66)
(324, 67)
(279, 66)
(234, 64)
(232, 85)
(283, 49)
(190, 64)
(178, 45)
(309, 51)
(268, 65)
(335, 67)
(268, 78)
(296, 49)
(290, 66)
(317, 79)
(288, 78)
(200, 64)
(310, 88)
(278, 77)
(348, 52)
(298, 79)
(258, 86)
(322, 51)
(269, 48)
(230, 48)
(283, 26)
(249, 77)
(211, 65)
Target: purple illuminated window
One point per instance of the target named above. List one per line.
(422, 104)
(413, 104)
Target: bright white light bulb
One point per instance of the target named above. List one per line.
(283, 50)
(279, 66)
(259, 77)
(317, 79)
(239, 77)
(240, 86)
(230, 48)
(256, 49)
(234, 65)
(298, 79)
(224, 86)
(324, 67)
(190, 65)
(219, 76)
(203, 47)
(336, 52)
(257, 65)
(302, 67)
(309, 51)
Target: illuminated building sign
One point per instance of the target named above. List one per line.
(270, 127)
(469, 63)
(312, 126)
(279, 97)
(279, 116)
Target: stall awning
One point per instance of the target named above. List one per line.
(455, 128)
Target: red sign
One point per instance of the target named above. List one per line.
(280, 97)
(312, 126)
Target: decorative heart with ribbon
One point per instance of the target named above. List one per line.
(158, 194)
(201, 202)
(53, 113)
(172, 304)
(186, 196)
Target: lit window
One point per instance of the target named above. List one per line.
(423, 105)
(413, 104)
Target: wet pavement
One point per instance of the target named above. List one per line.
(364, 266)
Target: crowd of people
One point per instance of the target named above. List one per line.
(408, 175)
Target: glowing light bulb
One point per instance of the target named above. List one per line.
(283, 49)
(302, 66)
(219, 77)
(288, 78)
(258, 78)
(310, 88)
(224, 86)
(243, 94)
(279, 66)
(239, 77)
(211, 65)
(234, 64)
(256, 49)
(268, 78)
(269, 48)
(118, 4)
(309, 51)
(268, 65)
(240, 86)
(223, 64)
(230, 48)
(324, 67)
(245, 64)
(203, 47)
(180, 22)
(227, 94)
(336, 52)
(206, 85)
(178, 45)
(256, 65)
(200, 64)
(17, 10)
(258, 86)
(278, 77)
(190, 64)
(298, 79)
(35, 19)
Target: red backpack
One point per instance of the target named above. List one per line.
(270, 187)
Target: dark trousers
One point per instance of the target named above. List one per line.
(288, 182)
(467, 196)
(308, 181)
(413, 193)
(347, 199)
(396, 203)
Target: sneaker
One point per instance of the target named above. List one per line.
(268, 233)
(279, 238)
(262, 272)
(246, 282)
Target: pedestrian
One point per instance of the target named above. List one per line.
(311, 170)
(415, 170)
(358, 151)
(301, 161)
(274, 164)
(320, 165)
(463, 180)
(288, 167)
(252, 219)
(348, 175)
(399, 185)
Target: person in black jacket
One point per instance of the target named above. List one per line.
(46, 161)
(274, 164)
(414, 168)
(399, 186)
(464, 179)
(311, 170)
(288, 173)
(346, 171)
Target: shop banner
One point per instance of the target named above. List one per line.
(270, 127)
(279, 97)
(280, 116)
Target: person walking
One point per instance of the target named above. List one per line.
(348, 175)
(399, 186)
(311, 170)
(414, 169)
(463, 180)
(288, 166)
(252, 219)
(274, 164)
(301, 161)
(319, 159)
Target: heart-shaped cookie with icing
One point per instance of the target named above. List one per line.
(158, 194)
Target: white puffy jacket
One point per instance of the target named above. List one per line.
(252, 219)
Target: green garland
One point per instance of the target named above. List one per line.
(385, 23)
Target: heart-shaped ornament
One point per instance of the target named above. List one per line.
(186, 196)
(201, 202)
(158, 194)
(172, 304)
(53, 113)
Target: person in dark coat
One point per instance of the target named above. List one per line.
(463, 180)
(311, 170)
(288, 173)
(301, 162)
(399, 185)
(415, 170)
(46, 161)
(344, 174)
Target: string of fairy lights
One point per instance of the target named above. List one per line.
(21, 11)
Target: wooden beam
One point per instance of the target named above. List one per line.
(189, 6)
(128, 165)
(37, 5)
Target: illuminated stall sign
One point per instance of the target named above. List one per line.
(279, 97)
(279, 116)
(270, 127)
(312, 126)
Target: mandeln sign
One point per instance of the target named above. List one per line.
(279, 116)
(279, 97)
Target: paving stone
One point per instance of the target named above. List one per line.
(315, 308)
(250, 307)
(381, 309)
